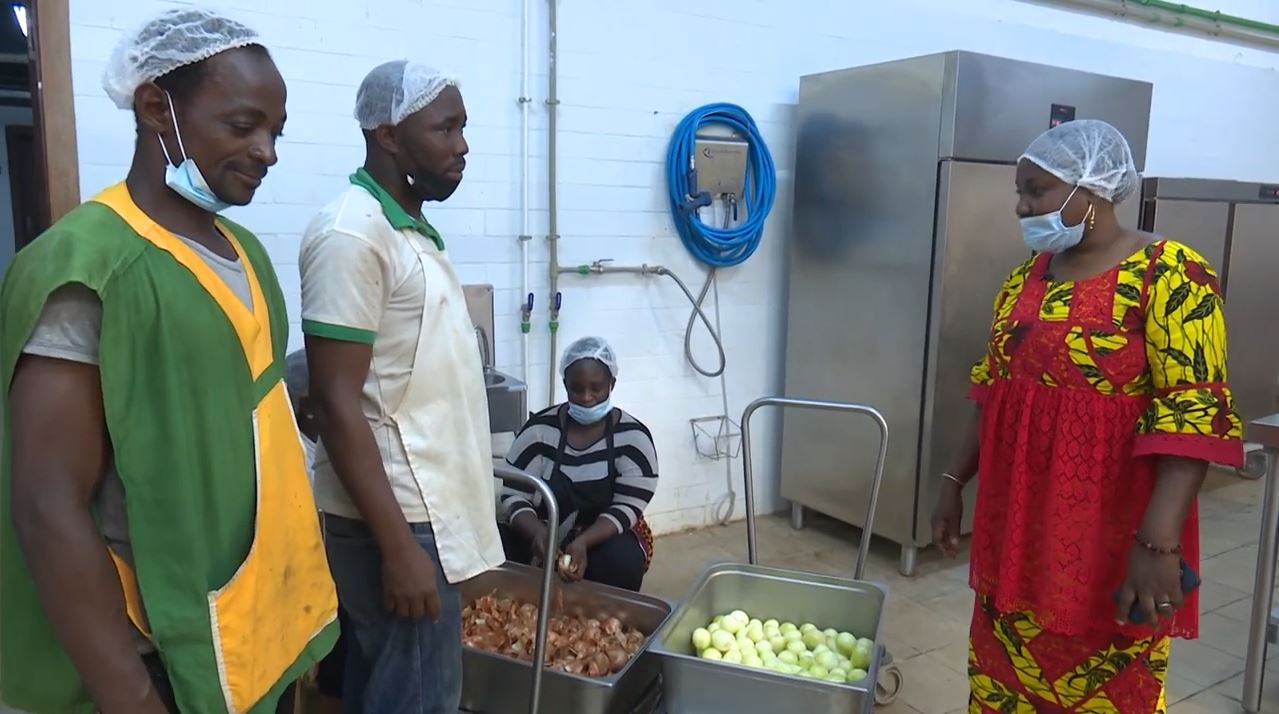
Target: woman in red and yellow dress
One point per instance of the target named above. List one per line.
(1101, 401)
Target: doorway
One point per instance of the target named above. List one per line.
(20, 146)
(38, 157)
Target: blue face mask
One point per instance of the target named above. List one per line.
(185, 179)
(589, 415)
(1050, 234)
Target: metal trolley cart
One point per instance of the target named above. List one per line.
(666, 677)
(691, 684)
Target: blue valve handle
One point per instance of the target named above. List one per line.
(696, 199)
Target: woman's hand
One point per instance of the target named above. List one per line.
(538, 542)
(576, 566)
(1153, 583)
(947, 515)
(527, 524)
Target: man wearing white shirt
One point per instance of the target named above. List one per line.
(404, 472)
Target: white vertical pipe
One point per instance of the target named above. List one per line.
(525, 232)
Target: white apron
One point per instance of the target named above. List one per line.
(443, 421)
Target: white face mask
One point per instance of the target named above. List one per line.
(589, 415)
(1049, 233)
(185, 179)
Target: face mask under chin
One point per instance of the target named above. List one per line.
(185, 179)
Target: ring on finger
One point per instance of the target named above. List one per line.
(1164, 606)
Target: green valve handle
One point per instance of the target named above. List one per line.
(584, 269)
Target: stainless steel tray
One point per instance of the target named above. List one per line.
(692, 684)
(496, 684)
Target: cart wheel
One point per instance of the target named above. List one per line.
(890, 679)
(888, 685)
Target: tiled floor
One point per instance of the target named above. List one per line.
(927, 616)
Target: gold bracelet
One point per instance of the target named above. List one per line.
(1175, 550)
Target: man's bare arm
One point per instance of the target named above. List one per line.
(59, 454)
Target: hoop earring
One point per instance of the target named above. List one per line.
(1092, 217)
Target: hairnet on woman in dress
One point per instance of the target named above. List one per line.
(1087, 153)
(174, 38)
(395, 90)
(596, 348)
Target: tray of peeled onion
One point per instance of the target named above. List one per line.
(718, 659)
(596, 637)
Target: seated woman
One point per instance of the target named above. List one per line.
(601, 465)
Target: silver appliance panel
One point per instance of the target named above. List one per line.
(1253, 348)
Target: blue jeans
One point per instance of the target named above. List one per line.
(393, 665)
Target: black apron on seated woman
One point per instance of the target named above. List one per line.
(601, 488)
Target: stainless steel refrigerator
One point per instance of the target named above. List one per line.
(1235, 225)
(903, 231)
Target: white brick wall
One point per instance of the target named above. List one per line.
(629, 71)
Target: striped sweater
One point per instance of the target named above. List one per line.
(635, 459)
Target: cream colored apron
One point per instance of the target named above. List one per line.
(444, 423)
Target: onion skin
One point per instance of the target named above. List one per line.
(577, 645)
(617, 659)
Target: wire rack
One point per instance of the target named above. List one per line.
(716, 437)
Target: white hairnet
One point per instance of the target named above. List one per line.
(296, 376)
(393, 91)
(1087, 153)
(174, 38)
(595, 348)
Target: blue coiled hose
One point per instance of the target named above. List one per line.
(719, 247)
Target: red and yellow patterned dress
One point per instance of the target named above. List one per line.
(1083, 385)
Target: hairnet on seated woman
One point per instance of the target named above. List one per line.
(1087, 153)
(596, 348)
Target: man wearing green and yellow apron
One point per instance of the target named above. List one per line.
(159, 549)
(404, 471)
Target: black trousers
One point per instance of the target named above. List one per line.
(618, 561)
(160, 680)
(332, 670)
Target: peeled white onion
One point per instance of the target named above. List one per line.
(782, 647)
(722, 641)
(701, 639)
(844, 643)
(828, 660)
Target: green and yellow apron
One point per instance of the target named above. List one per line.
(228, 554)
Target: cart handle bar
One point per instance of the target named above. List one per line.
(509, 473)
(863, 548)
